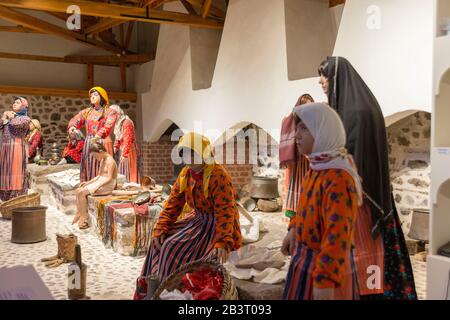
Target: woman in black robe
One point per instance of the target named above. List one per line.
(364, 123)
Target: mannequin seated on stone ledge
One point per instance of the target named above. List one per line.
(103, 184)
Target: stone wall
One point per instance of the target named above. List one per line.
(55, 112)
(240, 169)
(409, 159)
(156, 160)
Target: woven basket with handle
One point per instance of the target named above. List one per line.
(30, 200)
(174, 281)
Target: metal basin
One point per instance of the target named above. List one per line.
(28, 225)
(264, 188)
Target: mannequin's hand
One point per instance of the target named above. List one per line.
(222, 255)
(8, 115)
(289, 243)
(159, 241)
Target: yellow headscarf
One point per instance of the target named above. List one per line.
(102, 93)
(202, 146)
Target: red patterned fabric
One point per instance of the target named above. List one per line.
(74, 149)
(98, 121)
(126, 146)
(128, 140)
(36, 142)
(204, 284)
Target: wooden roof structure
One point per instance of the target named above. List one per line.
(98, 18)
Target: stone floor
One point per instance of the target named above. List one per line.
(112, 276)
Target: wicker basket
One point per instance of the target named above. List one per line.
(174, 281)
(30, 200)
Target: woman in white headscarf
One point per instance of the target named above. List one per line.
(125, 146)
(320, 235)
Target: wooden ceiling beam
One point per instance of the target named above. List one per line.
(59, 15)
(114, 11)
(37, 91)
(206, 7)
(17, 29)
(102, 25)
(334, 3)
(31, 57)
(189, 8)
(111, 60)
(48, 28)
(213, 10)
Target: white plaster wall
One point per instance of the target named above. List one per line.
(142, 80)
(250, 83)
(395, 60)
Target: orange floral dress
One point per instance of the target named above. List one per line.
(213, 223)
(220, 202)
(323, 229)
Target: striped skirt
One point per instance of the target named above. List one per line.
(299, 282)
(368, 254)
(186, 241)
(90, 166)
(294, 175)
(129, 167)
(13, 166)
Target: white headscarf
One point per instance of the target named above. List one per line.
(328, 132)
(120, 119)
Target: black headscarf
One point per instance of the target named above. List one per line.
(364, 123)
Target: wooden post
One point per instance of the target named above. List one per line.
(90, 76)
(123, 76)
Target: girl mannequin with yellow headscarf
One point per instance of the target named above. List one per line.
(99, 122)
(212, 228)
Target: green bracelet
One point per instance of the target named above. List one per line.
(289, 213)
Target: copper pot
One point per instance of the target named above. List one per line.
(264, 188)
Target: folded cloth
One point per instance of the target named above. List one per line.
(268, 276)
(250, 231)
(175, 295)
(258, 264)
(258, 258)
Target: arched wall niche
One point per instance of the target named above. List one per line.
(442, 113)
